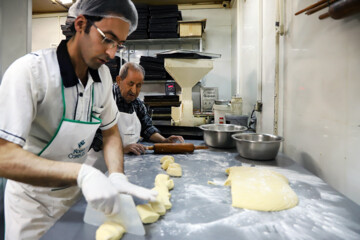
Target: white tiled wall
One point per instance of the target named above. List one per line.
(15, 31)
(217, 40)
(321, 96)
(248, 52)
(46, 32)
(319, 88)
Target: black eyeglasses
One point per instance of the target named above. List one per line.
(109, 43)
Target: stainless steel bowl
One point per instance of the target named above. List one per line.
(257, 146)
(219, 135)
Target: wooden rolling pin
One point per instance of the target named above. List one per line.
(174, 147)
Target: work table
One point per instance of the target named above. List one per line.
(203, 211)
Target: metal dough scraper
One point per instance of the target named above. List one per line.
(128, 216)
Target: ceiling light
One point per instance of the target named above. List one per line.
(66, 1)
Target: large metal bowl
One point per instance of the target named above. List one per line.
(257, 146)
(219, 135)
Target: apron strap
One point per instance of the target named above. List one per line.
(2, 218)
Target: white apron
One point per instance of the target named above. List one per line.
(30, 211)
(129, 127)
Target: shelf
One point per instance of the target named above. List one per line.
(166, 81)
(158, 81)
(133, 47)
(138, 44)
(195, 40)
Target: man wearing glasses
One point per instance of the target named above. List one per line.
(51, 103)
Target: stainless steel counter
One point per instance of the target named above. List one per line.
(203, 211)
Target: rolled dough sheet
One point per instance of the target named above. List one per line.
(260, 189)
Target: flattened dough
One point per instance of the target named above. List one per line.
(174, 170)
(166, 157)
(260, 189)
(110, 231)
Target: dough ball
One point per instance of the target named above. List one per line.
(260, 189)
(166, 163)
(166, 157)
(110, 231)
(147, 213)
(174, 169)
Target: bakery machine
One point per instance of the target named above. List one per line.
(187, 72)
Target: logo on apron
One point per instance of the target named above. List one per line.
(79, 152)
(81, 143)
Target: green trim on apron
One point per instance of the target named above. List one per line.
(71, 120)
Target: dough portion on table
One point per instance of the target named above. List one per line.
(147, 213)
(164, 179)
(260, 189)
(158, 206)
(166, 163)
(174, 169)
(110, 231)
(151, 212)
(165, 158)
(164, 196)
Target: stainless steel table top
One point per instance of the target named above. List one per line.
(203, 211)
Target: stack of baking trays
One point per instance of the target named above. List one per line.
(163, 21)
(154, 68)
(142, 27)
(160, 105)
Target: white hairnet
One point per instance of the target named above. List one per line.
(123, 9)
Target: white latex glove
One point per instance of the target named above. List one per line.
(120, 181)
(97, 189)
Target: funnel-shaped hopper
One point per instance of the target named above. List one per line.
(186, 72)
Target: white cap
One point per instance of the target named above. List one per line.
(122, 9)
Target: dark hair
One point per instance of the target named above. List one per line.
(87, 27)
(89, 22)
